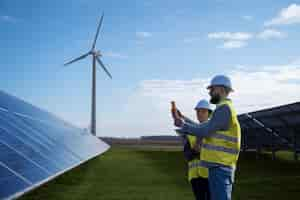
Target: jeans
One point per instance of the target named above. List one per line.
(220, 183)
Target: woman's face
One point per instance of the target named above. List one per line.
(202, 114)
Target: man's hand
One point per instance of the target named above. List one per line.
(176, 114)
(179, 114)
(178, 122)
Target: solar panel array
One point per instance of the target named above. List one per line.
(277, 128)
(36, 146)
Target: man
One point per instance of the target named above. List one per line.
(197, 174)
(221, 139)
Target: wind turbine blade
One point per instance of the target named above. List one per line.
(97, 33)
(103, 67)
(76, 59)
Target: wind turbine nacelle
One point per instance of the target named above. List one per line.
(98, 54)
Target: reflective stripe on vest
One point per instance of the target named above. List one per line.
(194, 164)
(223, 147)
(224, 137)
(219, 148)
(197, 164)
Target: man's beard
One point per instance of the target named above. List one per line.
(215, 99)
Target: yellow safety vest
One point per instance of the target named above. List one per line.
(223, 147)
(195, 170)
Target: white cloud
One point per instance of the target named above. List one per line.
(142, 34)
(234, 44)
(232, 40)
(271, 34)
(247, 17)
(235, 40)
(270, 86)
(7, 18)
(289, 15)
(230, 35)
(147, 110)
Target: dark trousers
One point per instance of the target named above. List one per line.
(200, 188)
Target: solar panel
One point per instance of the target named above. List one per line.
(36, 146)
(277, 127)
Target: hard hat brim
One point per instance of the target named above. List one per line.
(208, 87)
(203, 108)
(197, 108)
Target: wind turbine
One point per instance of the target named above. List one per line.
(96, 58)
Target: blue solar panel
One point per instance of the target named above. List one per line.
(36, 146)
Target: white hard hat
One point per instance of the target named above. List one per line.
(221, 80)
(203, 104)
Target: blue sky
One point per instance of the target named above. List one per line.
(156, 50)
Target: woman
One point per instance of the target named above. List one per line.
(197, 174)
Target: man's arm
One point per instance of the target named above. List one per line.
(188, 120)
(220, 121)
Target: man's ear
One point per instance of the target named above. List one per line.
(224, 91)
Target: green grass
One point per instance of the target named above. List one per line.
(135, 174)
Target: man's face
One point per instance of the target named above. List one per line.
(215, 93)
(202, 114)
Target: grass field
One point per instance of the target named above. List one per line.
(141, 174)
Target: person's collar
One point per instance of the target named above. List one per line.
(223, 100)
